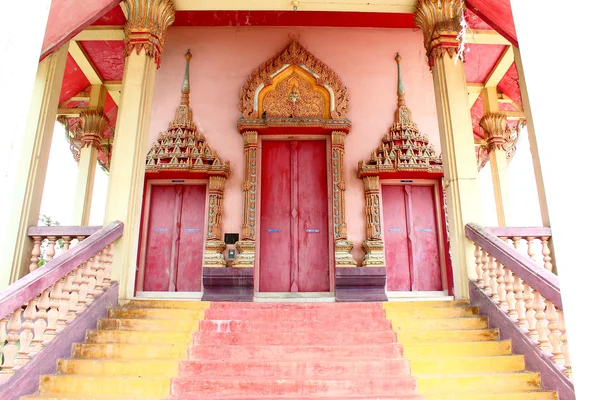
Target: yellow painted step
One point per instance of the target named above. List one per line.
(457, 349)
(132, 324)
(112, 385)
(89, 397)
(120, 351)
(190, 304)
(138, 337)
(466, 365)
(136, 367)
(430, 312)
(441, 323)
(467, 335)
(156, 313)
(482, 383)
(498, 396)
(389, 305)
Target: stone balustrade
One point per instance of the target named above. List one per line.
(36, 308)
(531, 241)
(527, 293)
(47, 240)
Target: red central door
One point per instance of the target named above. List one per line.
(175, 239)
(294, 235)
(411, 238)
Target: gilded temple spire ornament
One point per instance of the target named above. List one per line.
(146, 27)
(443, 25)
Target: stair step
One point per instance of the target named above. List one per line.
(455, 335)
(424, 304)
(228, 325)
(138, 337)
(157, 313)
(457, 349)
(472, 383)
(277, 337)
(187, 304)
(124, 324)
(274, 315)
(465, 365)
(322, 369)
(295, 353)
(281, 306)
(194, 397)
(104, 385)
(132, 367)
(401, 314)
(441, 323)
(532, 395)
(292, 387)
(120, 351)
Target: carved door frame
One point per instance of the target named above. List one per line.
(330, 203)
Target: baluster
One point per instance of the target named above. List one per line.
(51, 250)
(108, 252)
(80, 238)
(10, 349)
(531, 248)
(546, 254)
(41, 321)
(501, 286)
(90, 274)
(3, 322)
(35, 253)
(100, 272)
(26, 336)
(478, 266)
(70, 295)
(493, 280)
(66, 243)
(554, 335)
(82, 275)
(530, 312)
(63, 308)
(539, 304)
(511, 301)
(485, 261)
(96, 280)
(520, 302)
(517, 243)
(55, 296)
(565, 344)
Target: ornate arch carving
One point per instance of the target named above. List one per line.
(294, 55)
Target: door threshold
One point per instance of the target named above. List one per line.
(169, 295)
(300, 297)
(419, 296)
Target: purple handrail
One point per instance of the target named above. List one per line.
(34, 283)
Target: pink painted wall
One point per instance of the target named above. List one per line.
(223, 58)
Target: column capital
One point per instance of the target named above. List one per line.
(497, 135)
(146, 27)
(441, 22)
(93, 123)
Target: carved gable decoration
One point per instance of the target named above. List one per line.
(294, 84)
(403, 148)
(182, 147)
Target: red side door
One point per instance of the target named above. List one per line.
(393, 198)
(294, 238)
(175, 239)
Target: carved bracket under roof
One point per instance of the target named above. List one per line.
(403, 148)
(183, 147)
(291, 89)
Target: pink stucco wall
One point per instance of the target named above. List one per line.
(223, 58)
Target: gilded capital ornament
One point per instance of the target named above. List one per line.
(442, 23)
(496, 132)
(93, 124)
(146, 27)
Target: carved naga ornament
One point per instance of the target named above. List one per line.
(296, 87)
(403, 148)
(182, 147)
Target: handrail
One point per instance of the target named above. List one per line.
(510, 231)
(39, 305)
(543, 281)
(523, 293)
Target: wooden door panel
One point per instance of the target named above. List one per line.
(161, 224)
(313, 210)
(191, 239)
(397, 260)
(275, 222)
(426, 268)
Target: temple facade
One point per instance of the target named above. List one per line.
(295, 153)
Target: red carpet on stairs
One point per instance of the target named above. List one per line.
(294, 351)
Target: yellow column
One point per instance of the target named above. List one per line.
(31, 170)
(93, 123)
(145, 32)
(440, 22)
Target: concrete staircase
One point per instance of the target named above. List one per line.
(183, 350)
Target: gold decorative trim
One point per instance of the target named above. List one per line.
(442, 22)
(90, 128)
(372, 208)
(213, 254)
(294, 54)
(216, 186)
(146, 26)
(498, 136)
(374, 253)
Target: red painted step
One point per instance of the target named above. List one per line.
(298, 338)
(286, 351)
